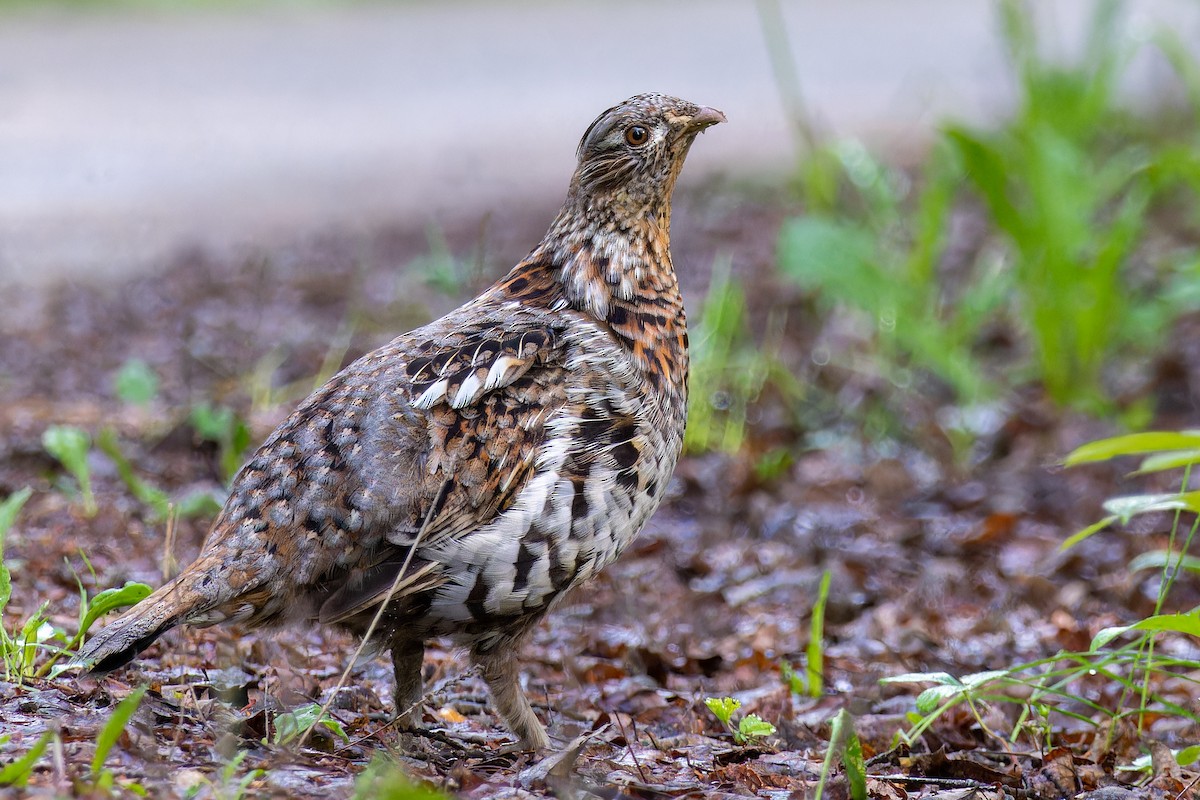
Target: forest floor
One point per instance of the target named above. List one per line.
(943, 556)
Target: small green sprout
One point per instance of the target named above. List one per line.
(291, 725)
(136, 383)
(750, 728)
(158, 500)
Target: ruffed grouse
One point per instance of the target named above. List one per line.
(498, 456)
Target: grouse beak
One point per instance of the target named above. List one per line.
(703, 118)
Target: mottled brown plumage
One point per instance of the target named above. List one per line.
(499, 455)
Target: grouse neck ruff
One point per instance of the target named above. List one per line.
(459, 480)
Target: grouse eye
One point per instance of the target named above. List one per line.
(636, 135)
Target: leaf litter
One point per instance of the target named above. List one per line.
(937, 563)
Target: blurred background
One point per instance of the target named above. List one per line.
(129, 130)
(939, 245)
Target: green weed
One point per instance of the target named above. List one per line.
(1068, 187)
(1072, 206)
(222, 426)
(845, 746)
(881, 263)
(812, 681)
(197, 504)
(728, 369)
(228, 786)
(383, 779)
(1057, 685)
(749, 728)
(291, 725)
(136, 383)
(19, 650)
(70, 445)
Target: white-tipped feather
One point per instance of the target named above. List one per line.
(468, 391)
(432, 396)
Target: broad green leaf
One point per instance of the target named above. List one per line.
(977, 679)
(1175, 623)
(1106, 635)
(934, 696)
(111, 599)
(989, 169)
(1133, 505)
(838, 258)
(923, 677)
(1160, 559)
(292, 724)
(112, 729)
(383, 779)
(1126, 508)
(1170, 460)
(752, 726)
(1133, 444)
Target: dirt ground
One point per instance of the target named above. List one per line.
(941, 558)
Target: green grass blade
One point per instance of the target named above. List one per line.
(815, 666)
(9, 510)
(17, 773)
(113, 728)
(1079, 536)
(1133, 444)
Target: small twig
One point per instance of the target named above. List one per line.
(1187, 788)
(629, 746)
(168, 564)
(954, 783)
(387, 598)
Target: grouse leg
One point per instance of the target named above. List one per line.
(499, 669)
(408, 657)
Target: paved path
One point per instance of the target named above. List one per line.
(126, 135)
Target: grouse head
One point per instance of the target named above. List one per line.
(631, 155)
